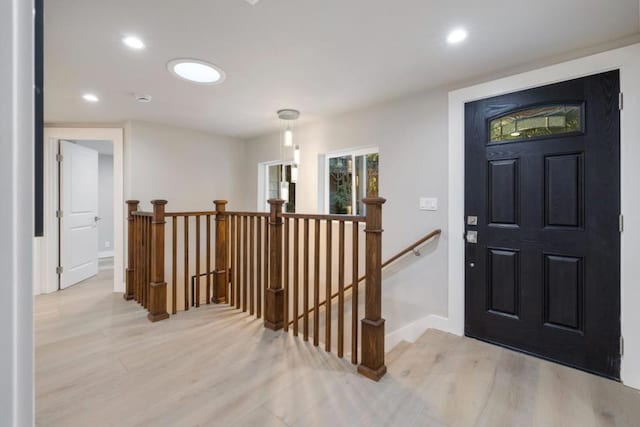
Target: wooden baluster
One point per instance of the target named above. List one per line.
(186, 262)
(265, 272)
(245, 264)
(145, 262)
(354, 293)
(174, 265)
(132, 206)
(136, 261)
(238, 262)
(316, 283)
(296, 260)
(252, 284)
(232, 274)
(372, 365)
(286, 276)
(197, 281)
(140, 264)
(221, 281)
(274, 298)
(305, 289)
(341, 290)
(149, 259)
(328, 290)
(141, 250)
(259, 267)
(208, 256)
(157, 286)
(234, 263)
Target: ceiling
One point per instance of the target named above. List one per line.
(321, 57)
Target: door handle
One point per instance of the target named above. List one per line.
(472, 237)
(96, 218)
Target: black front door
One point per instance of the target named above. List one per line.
(542, 211)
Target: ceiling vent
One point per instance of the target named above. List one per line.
(143, 98)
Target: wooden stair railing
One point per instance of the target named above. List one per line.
(267, 264)
(391, 260)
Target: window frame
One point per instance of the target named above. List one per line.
(354, 152)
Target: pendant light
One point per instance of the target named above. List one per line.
(288, 115)
(288, 151)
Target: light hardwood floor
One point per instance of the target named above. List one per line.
(99, 362)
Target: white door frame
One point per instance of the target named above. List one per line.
(263, 170)
(627, 60)
(46, 256)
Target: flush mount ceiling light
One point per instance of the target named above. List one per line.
(196, 71)
(133, 42)
(89, 97)
(456, 36)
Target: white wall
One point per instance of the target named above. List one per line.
(411, 135)
(105, 205)
(16, 213)
(187, 168)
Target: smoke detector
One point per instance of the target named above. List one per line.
(143, 98)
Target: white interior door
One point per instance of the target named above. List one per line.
(79, 205)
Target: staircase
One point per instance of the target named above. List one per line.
(298, 272)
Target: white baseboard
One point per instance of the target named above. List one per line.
(105, 254)
(413, 331)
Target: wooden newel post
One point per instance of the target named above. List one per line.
(220, 282)
(158, 287)
(274, 298)
(372, 365)
(132, 206)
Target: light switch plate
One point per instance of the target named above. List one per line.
(428, 204)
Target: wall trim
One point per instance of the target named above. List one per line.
(627, 60)
(48, 244)
(415, 330)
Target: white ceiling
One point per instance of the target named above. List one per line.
(322, 57)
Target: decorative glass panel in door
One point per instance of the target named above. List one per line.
(537, 122)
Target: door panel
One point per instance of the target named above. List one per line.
(542, 176)
(79, 205)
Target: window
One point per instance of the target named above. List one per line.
(351, 177)
(278, 188)
(536, 122)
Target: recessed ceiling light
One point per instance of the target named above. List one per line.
(456, 36)
(133, 42)
(196, 71)
(89, 97)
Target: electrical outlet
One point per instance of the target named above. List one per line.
(107, 244)
(428, 204)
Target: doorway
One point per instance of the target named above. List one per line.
(542, 212)
(85, 209)
(46, 251)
